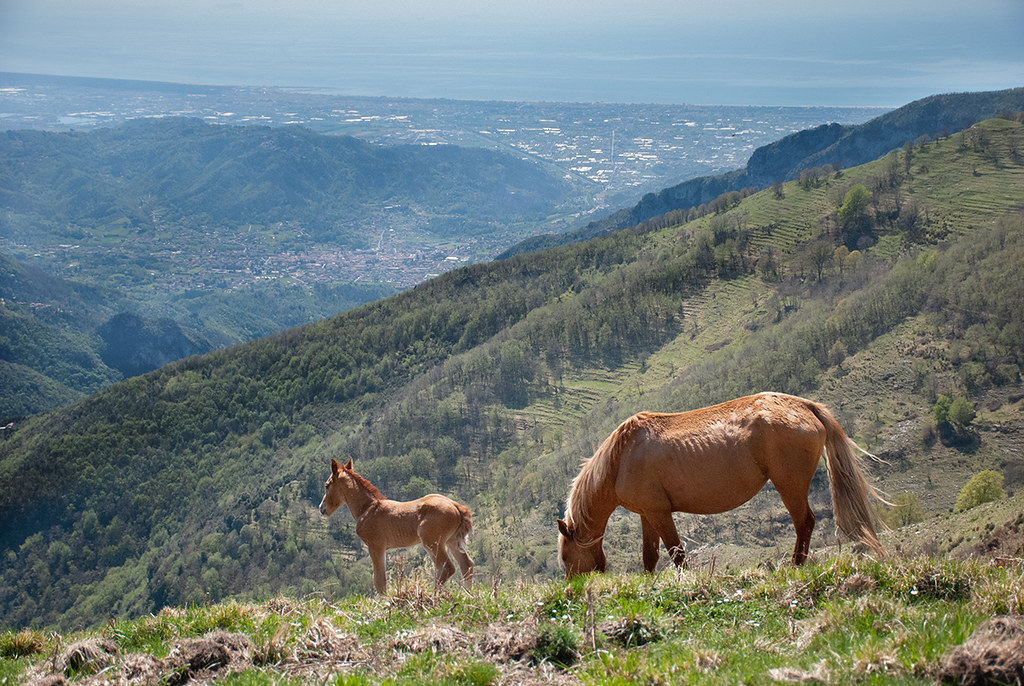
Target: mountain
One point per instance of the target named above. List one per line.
(149, 172)
(48, 357)
(133, 345)
(832, 145)
(61, 340)
(200, 480)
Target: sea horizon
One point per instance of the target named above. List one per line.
(525, 64)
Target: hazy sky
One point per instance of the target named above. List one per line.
(786, 52)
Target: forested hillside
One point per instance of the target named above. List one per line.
(879, 290)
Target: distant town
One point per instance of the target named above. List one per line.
(619, 151)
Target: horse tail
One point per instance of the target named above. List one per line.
(850, 489)
(464, 528)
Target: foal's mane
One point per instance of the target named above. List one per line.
(597, 470)
(365, 484)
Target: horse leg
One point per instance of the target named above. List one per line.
(456, 548)
(665, 528)
(443, 567)
(379, 577)
(650, 545)
(803, 522)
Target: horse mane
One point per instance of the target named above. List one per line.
(367, 486)
(596, 471)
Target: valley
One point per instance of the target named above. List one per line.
(614, 153)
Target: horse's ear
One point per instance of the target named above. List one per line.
(335, 467)
(564, 529)
(349, 465)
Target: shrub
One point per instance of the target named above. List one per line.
(906, 509)
(24, 643)
(961, 413)
(556, 643)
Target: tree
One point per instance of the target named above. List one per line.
(983, 487)
(840, 256)
(961, 414)
(820, 254)
(853, 216)
(953, 417)
(940, 410)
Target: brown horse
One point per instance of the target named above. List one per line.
(433, 520)
(713, 460)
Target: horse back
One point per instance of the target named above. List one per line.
(715, 458)
(438, 515)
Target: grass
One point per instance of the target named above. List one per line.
(842, 620)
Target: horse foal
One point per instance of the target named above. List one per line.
(439, 523)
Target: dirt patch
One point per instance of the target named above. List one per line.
(994, 654)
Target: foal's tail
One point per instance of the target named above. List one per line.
(464, 529)
(850, 489)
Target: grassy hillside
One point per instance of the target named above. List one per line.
(199, 481)
(836, 620)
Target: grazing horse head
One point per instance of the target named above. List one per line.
(579, 556)
(336, 489)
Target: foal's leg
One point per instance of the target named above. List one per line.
(443, 567)
(665, 528)
(432, 534)
(456, 548)
(379, 577)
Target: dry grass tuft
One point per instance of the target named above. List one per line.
(792, 675)
(434, 639)
(706, 661)
(88, 656)
(323, 643)
(140, 668)
(857, 584)
(197, 658)
(507, 642)
(630, 632)
(994, 654)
